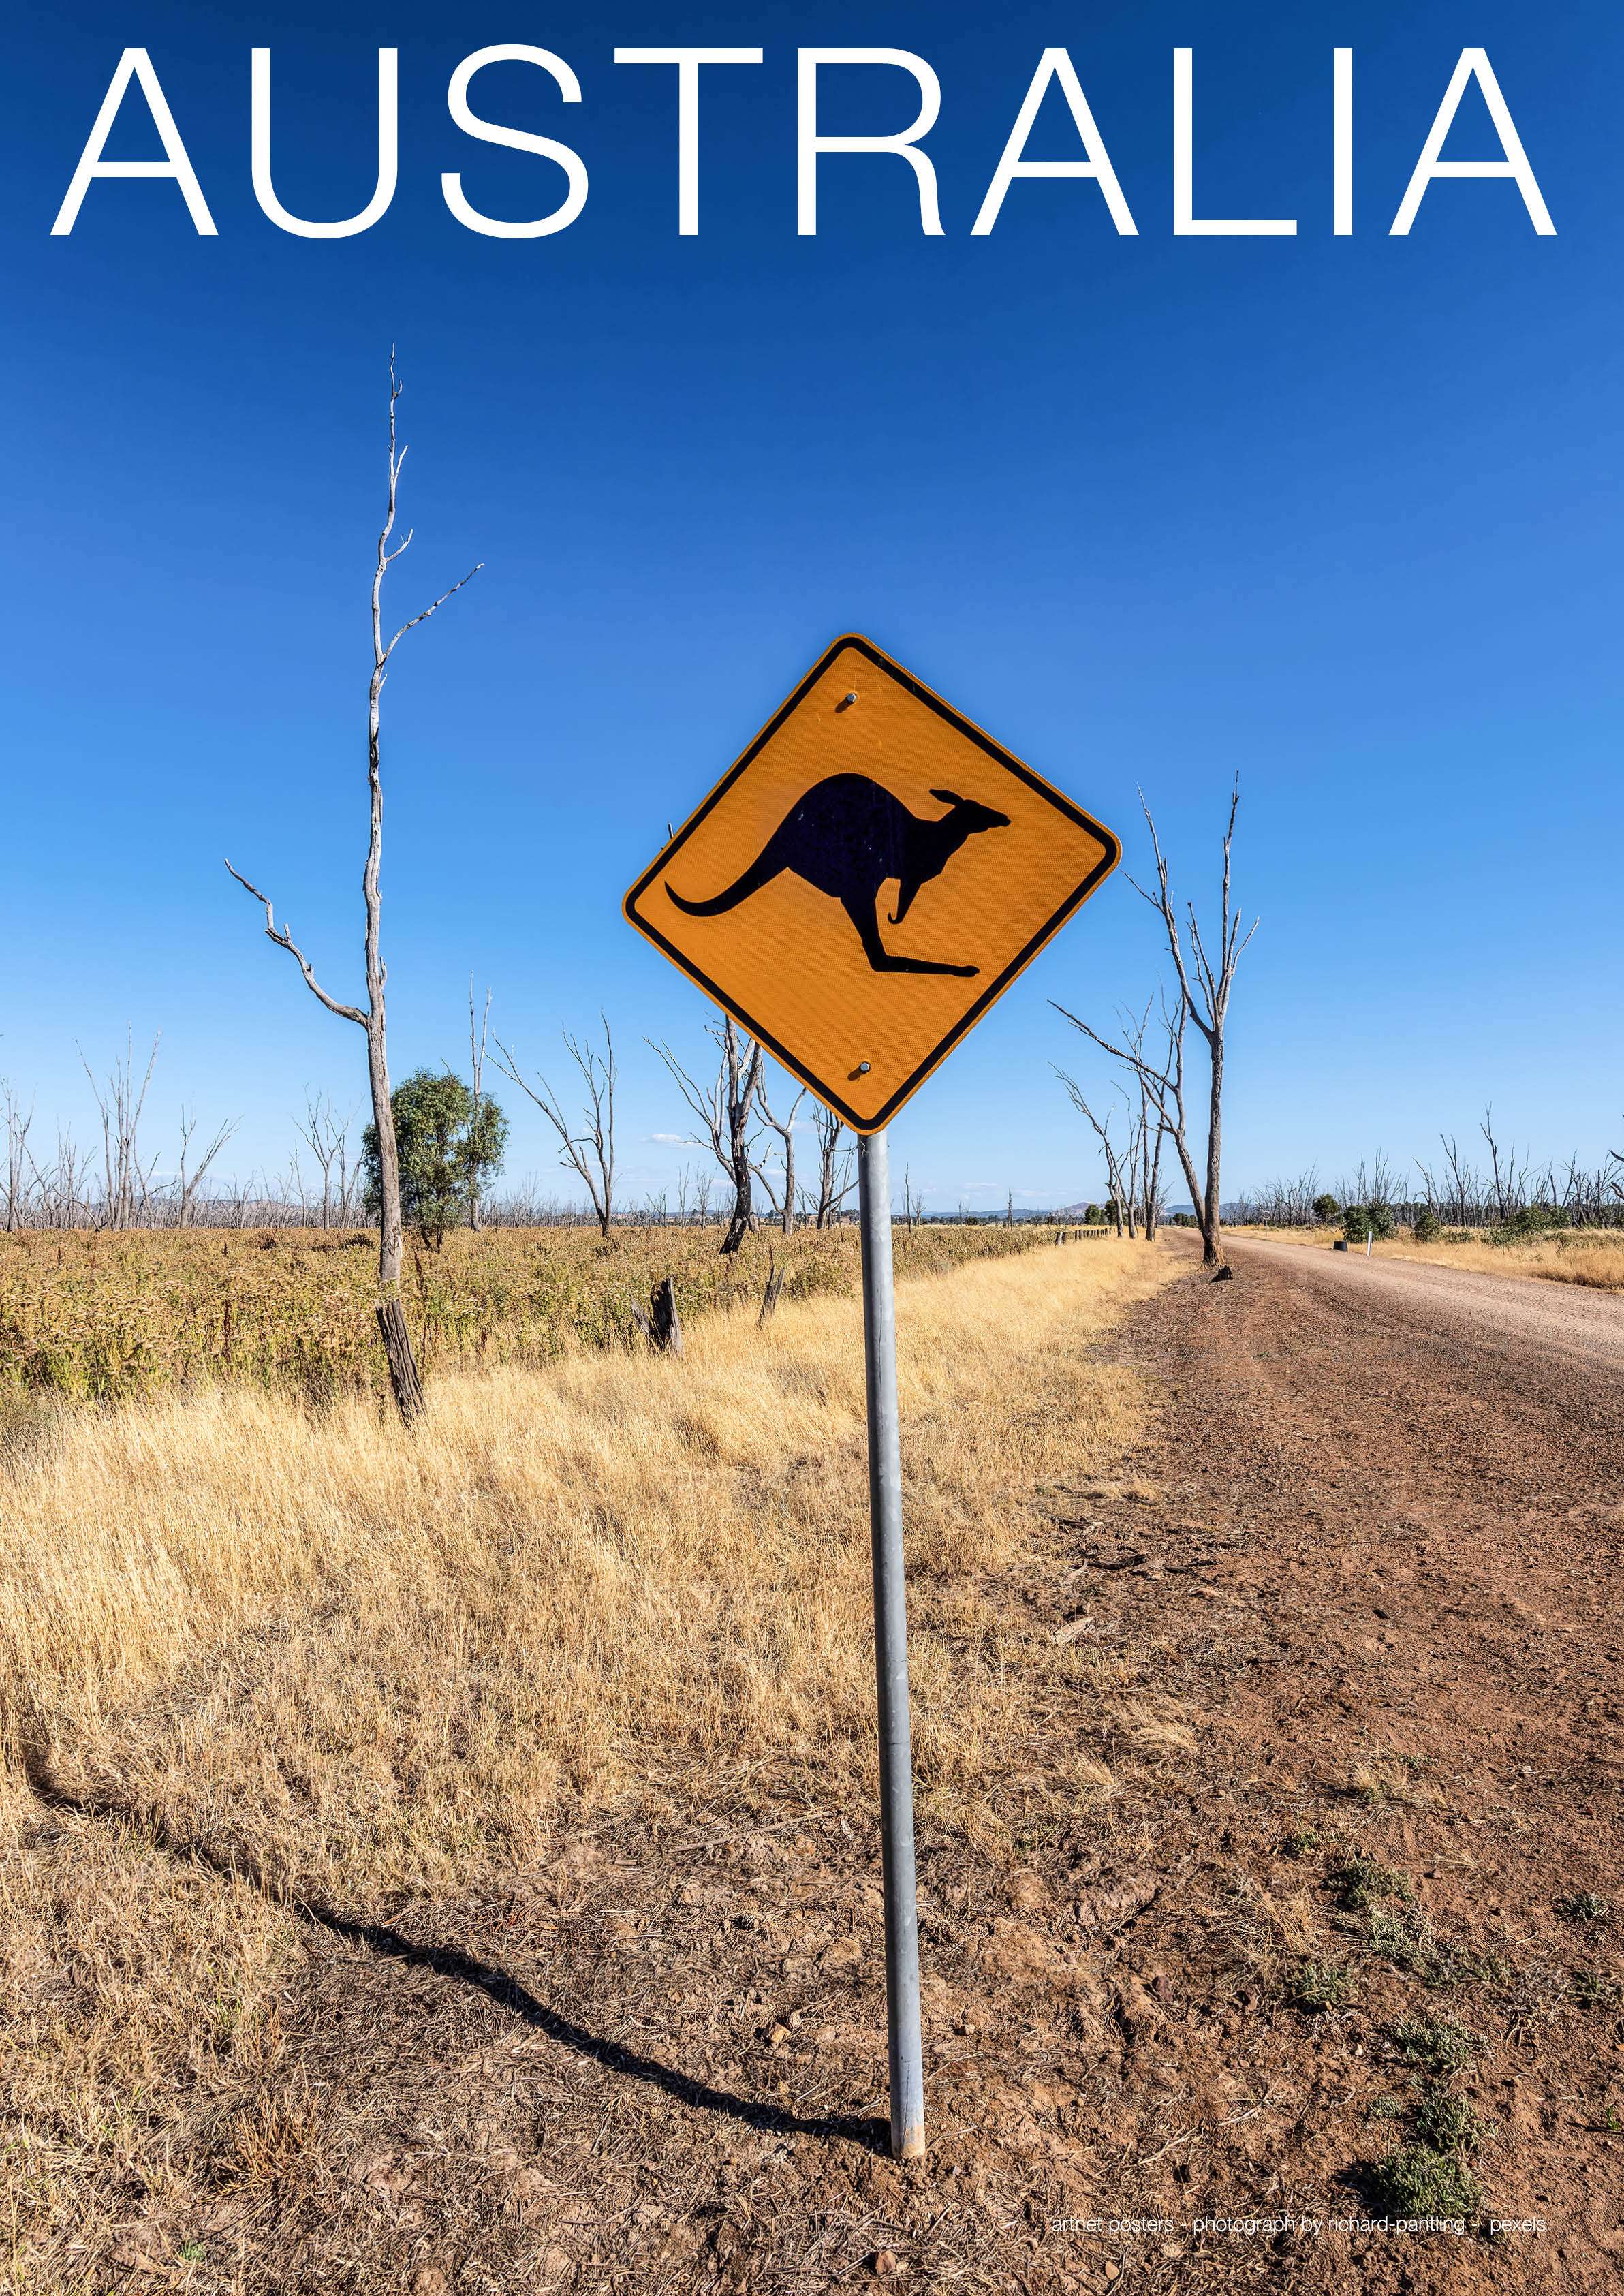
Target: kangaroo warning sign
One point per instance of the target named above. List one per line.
(871, 874)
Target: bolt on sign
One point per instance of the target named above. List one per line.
(867, 880)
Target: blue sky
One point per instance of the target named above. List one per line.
(1339, 513)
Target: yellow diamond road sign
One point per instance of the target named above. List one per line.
(867, 880)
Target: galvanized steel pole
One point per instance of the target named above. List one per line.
(892, 1652)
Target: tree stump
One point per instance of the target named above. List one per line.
(663, 1329)
(774, 1286)
(667, 1323)
(403, 1364)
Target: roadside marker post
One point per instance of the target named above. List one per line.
(771, 897)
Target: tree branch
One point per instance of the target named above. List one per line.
(284, 939)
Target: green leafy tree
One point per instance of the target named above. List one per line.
(446, 1145)
(1326, 1209)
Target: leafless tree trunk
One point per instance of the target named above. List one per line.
(16, 1155)
(1510, 1186)
(186, 1189)
(786, 1133)
(1121, 1193)
(60, 1191)
(1204, 986)
(126, 1183)
(835, 1176)
(591, 1153)
(391, 1319)
(329, 1142)
(476, 1053)
(724, 1107)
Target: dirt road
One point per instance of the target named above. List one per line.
(1415, 1482)
(1481, 1311)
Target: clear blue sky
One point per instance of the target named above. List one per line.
(1340, 512)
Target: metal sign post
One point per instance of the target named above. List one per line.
(907, 2085)
(857, 891)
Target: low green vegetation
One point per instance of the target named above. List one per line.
(1438, 2045)
(1363, 1882)
(1430, 2175)
(1319, 1985)
(1415, 2184)
(1586, 1906)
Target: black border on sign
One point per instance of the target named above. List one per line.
(994, 990)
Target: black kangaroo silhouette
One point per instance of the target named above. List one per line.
(847, 836)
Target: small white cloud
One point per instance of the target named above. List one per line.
(668, 1139)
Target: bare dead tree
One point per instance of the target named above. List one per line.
(127, 1182)
(722, 1106)
(785, 1130)
(391, 1318)
(1510, 1185)
(1116, 1159)
(836, 1173)
(589, 1153)
(476, 1054)
(17, 1159)
(1205, 981)
(60, 1189)
(1146, 1162)
(185, 1189)
(327, 1137)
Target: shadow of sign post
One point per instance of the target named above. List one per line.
(772, 897)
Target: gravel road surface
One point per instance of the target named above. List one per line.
(1555, 1319)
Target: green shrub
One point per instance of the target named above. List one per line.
(1326, 1209)
(1416, 2182)
(1427, 1227)
(1534, 1220)
(1316, 1985)
(1587, 1906)
(1448, 2124)
(1405, 1940)
(1438, 2045)
(1363, 1883)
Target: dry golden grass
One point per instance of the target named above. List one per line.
(1388, 1779)
(1591, 1256)
(243, 1638)
(382, 1657)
